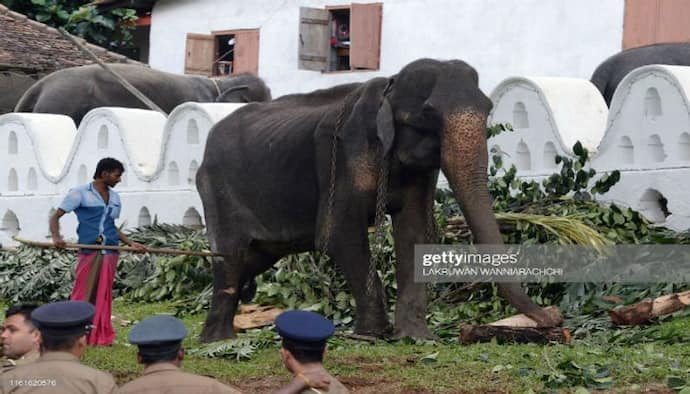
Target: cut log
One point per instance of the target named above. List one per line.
(523, 321)
(255, 316)
(485, 333)
(517, 329)
(648, 309)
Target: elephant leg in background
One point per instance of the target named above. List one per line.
(409, 228)
(229, 276)
(349, 249)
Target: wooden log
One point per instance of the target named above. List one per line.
(524, 321)
(255, 316)
(485, 333)
(646, 310)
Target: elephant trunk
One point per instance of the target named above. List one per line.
(464, 159)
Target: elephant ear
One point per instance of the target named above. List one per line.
(384, 125)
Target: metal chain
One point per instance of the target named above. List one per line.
(431, 231)
(331, 188)
(379, 238)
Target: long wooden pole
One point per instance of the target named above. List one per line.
(118, 248)
(112, 72)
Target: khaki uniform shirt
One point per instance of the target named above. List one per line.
(335, 387)
(8, 364)
(56, 372)
(167, 378)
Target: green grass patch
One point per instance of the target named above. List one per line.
(630, 360)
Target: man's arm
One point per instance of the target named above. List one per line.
(54, 225)
(315, 380)
(125, 240)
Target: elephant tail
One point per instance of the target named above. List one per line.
(27, 102)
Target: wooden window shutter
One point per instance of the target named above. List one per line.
(674, 18)
(314, 39)
(199, 54)
(365, 35)
(246, 52)
(655, 21)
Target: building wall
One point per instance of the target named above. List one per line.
(500, 38)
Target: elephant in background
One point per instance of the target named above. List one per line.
(75, 91)
(265, 183)
(611, 72)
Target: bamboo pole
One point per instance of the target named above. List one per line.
(112, 72)
(117, 248)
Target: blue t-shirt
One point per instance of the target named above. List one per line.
(95, 217)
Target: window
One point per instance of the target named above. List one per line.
(655, 21)
(340, 38)
(223, 53)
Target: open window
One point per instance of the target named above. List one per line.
(340, 37)
(224, 52)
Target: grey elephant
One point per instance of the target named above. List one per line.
(77, 90)
(611, 72)
(267, 189)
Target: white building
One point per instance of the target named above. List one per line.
(278, 38)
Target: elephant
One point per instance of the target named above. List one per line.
(75, 91)
(611, 72)
(270, 186)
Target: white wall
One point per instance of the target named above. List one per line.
(62, 157)
(645, 135)
(500, 38)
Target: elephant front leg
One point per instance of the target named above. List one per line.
(353, 259)
(409, 228)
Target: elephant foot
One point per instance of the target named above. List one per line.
(214, 332)
(414, 331)
(378, 330)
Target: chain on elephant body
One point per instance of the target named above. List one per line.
(380, 201)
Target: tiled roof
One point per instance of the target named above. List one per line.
(27, 44)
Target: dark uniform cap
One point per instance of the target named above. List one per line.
(158, 335)
(64, 318)
(304, 327)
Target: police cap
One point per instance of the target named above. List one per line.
(64, 318)
(159, 335)
(304, 329)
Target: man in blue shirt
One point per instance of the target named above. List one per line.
(97, 206)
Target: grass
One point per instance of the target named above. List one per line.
(429, 367)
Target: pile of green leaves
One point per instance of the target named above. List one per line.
(110, 29)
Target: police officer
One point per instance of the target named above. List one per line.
(304, 337)
(159, 339)
(64, 326)
(20, 339)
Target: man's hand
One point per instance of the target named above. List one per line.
(315, 379)
(59, 242)
(139, 247)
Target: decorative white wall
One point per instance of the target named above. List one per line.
(43, 156)
(500, 38)
(645, 135)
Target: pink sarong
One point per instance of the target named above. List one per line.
(103, 333)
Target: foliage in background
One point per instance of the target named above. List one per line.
(110, 29)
